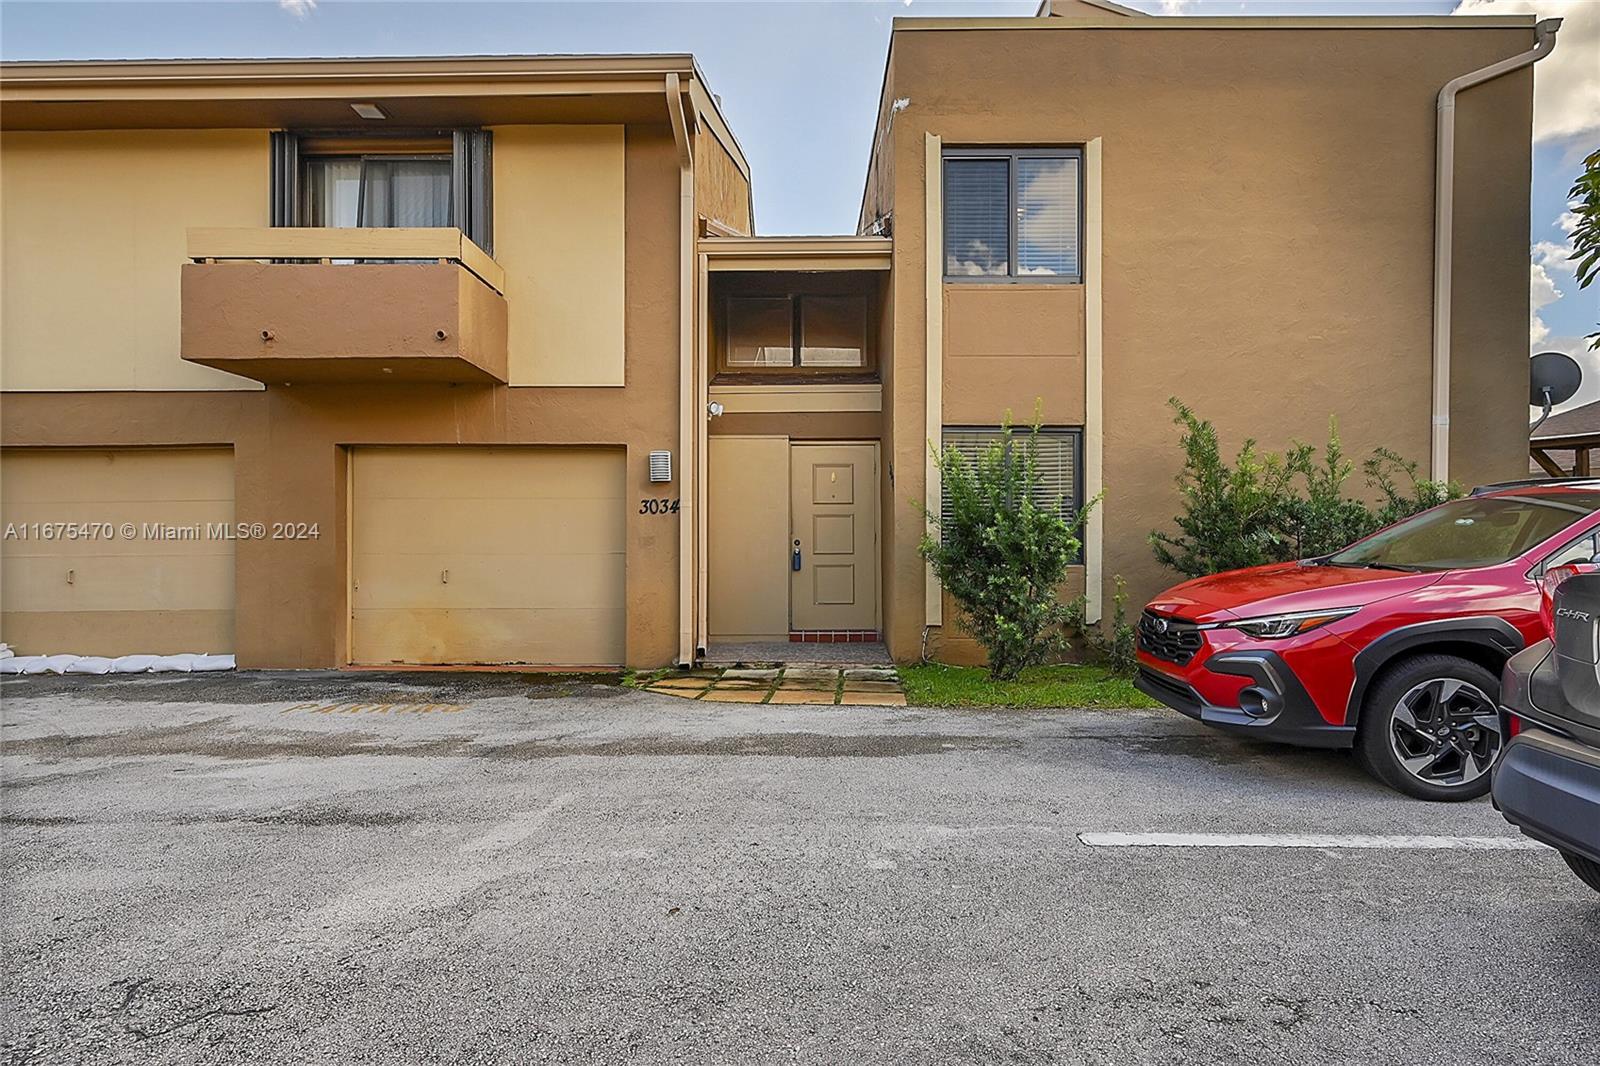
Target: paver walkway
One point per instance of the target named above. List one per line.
(858, 686)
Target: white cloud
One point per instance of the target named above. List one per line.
(1174, 7)
(1566, 93)
(1542, 292)
(298, 8)
(1567, 222)
(1553, 256)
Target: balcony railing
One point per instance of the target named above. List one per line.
(344, 305)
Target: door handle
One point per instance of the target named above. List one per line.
(444, 577)
(795, 558)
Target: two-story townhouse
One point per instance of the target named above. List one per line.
(500, 331)
(1097, 210)
(410, 329)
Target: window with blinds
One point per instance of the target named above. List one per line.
(1013, 215)
(1060, 452)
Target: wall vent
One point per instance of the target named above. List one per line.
(660, 466)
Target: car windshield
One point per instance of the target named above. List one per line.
(1477, 531)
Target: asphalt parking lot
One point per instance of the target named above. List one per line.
(482, 868)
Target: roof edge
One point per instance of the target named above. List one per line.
(1227, 22)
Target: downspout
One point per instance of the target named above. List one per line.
(687, 483)
(1544, 35)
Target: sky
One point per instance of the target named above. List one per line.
(807, 134)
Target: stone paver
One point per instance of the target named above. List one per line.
(694, 684)
(802, 696)
(801, 684)
(738, 695)
(870, 673)
(873, 699)
(809, 673)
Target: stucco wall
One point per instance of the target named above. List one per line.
(559, 237)
(1267, 205)
(93, 233)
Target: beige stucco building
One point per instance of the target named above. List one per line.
(345, 362)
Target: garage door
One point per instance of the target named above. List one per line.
(487, 555)
(166, 588)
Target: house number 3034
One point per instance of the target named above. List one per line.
(658, 506)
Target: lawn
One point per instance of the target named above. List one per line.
(1067, 685)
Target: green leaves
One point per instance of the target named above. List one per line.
(1268, 508)
(1585, 197)
(1002, 554)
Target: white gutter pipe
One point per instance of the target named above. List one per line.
(1544, 35)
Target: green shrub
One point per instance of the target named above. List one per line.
(1114, 644)
(1396, 503)
(1324, 519)
(1003, 551)
(1233, 515)
(1269, 508)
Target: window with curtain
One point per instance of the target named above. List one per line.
(378, 191)
(1060, 454)
(403, 178)
(1013, 214)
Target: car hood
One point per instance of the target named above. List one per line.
(1282, 588)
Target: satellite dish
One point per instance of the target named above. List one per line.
(1554, 378)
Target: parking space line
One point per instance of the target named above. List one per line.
(1308, 840)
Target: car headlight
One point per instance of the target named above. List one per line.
(1280, 626)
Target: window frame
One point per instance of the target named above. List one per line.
(1067, 432)
(795, 372)
(469, 150)
(1591, 535)
(1010, 156)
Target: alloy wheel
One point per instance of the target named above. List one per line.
(1445, 732)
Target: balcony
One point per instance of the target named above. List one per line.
(306, 305)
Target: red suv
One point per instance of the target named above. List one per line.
(1393, 646)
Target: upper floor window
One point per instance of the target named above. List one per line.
(1013, 214)
(787, 333)
(343, 190)
(403, 180)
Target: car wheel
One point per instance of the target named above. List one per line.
(1429, 728)
(1588, 872)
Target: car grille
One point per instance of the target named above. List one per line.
(1173, 693)
(1171, 639)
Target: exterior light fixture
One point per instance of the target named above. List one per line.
(713, 409)
(372, 111)
(660, 466)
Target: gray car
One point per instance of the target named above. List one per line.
(1547, 780)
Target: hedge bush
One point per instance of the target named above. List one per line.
(1002, 551)
(1268, 508)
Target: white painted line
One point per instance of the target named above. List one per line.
(1307, 840)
